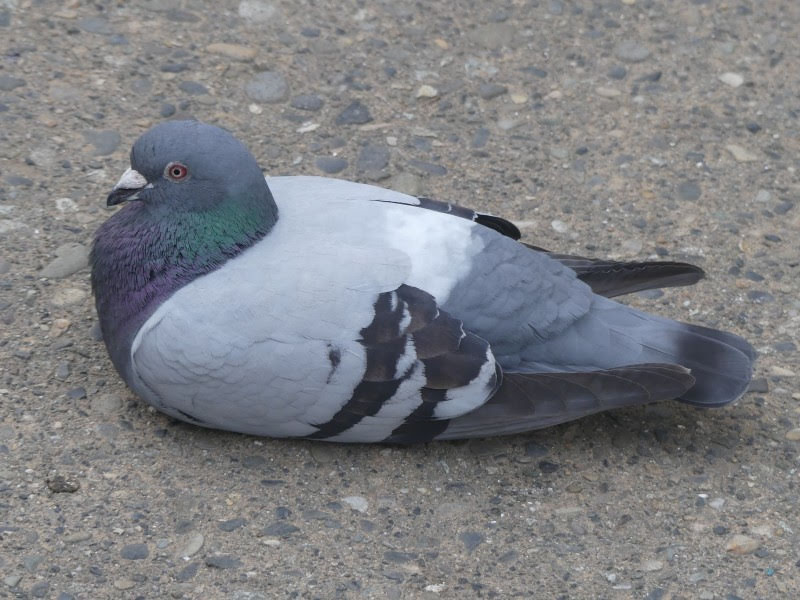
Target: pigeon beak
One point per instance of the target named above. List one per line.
(127, 188)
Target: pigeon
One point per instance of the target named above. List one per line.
(318, 308)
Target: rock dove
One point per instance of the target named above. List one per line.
(325, 309)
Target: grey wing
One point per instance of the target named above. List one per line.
(606, 277)
(611, 278)
(517, 299)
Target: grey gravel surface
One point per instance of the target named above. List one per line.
(622, 128)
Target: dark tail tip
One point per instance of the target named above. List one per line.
(722, 364)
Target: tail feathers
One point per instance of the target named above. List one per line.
(721, 362)
(528, 401)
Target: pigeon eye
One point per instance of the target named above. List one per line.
(176, 171)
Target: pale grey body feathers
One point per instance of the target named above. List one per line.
(264, 367)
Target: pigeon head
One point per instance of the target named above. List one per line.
(194, 198)
(188, 166)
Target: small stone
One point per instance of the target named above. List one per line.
(59, 326)
(104, 142)
(357, 503)
(732, 79)
(67, 297)
(494, 36)
(618, 72)
(488, 91)
(223, 561)
(762, 530)
(40, 589)
(310, 102)
(428, 167)
(407, 183)
(64, 205)
(760, 385)
(763, 196)
(256, 11)
(188, 572)
(62, 371)
(631, 51)
(70, 258)
(191, 545)
(741, 154)
(689, 190)
(43, 157)
(31, 563)
(753, 127)
(471, 540)
(781, 371)
(234, 51)
(559, 225)
(426, 91)
(741, 544)
(652, 565)
(106, 404)
(355, 114)
(134, 551)
(760, 296)
(181, 16)
(535, 71)
(12, 580)
(193, 88)
(330, 164)
(607, 92)
(280, 529)
(779, 346)
(372, 159)
(547, 467)
(268, 86)
(167, 110)
(793, 434)
(480, 138)
(58, 484)
(174, 68)
(77, 537)
(518, 97)
(96, 25)
(535, 449)
(307, 127)
(18, 181)
(232, 524)
(124, 583)
(141, 85)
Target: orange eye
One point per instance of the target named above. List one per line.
(176, 171)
